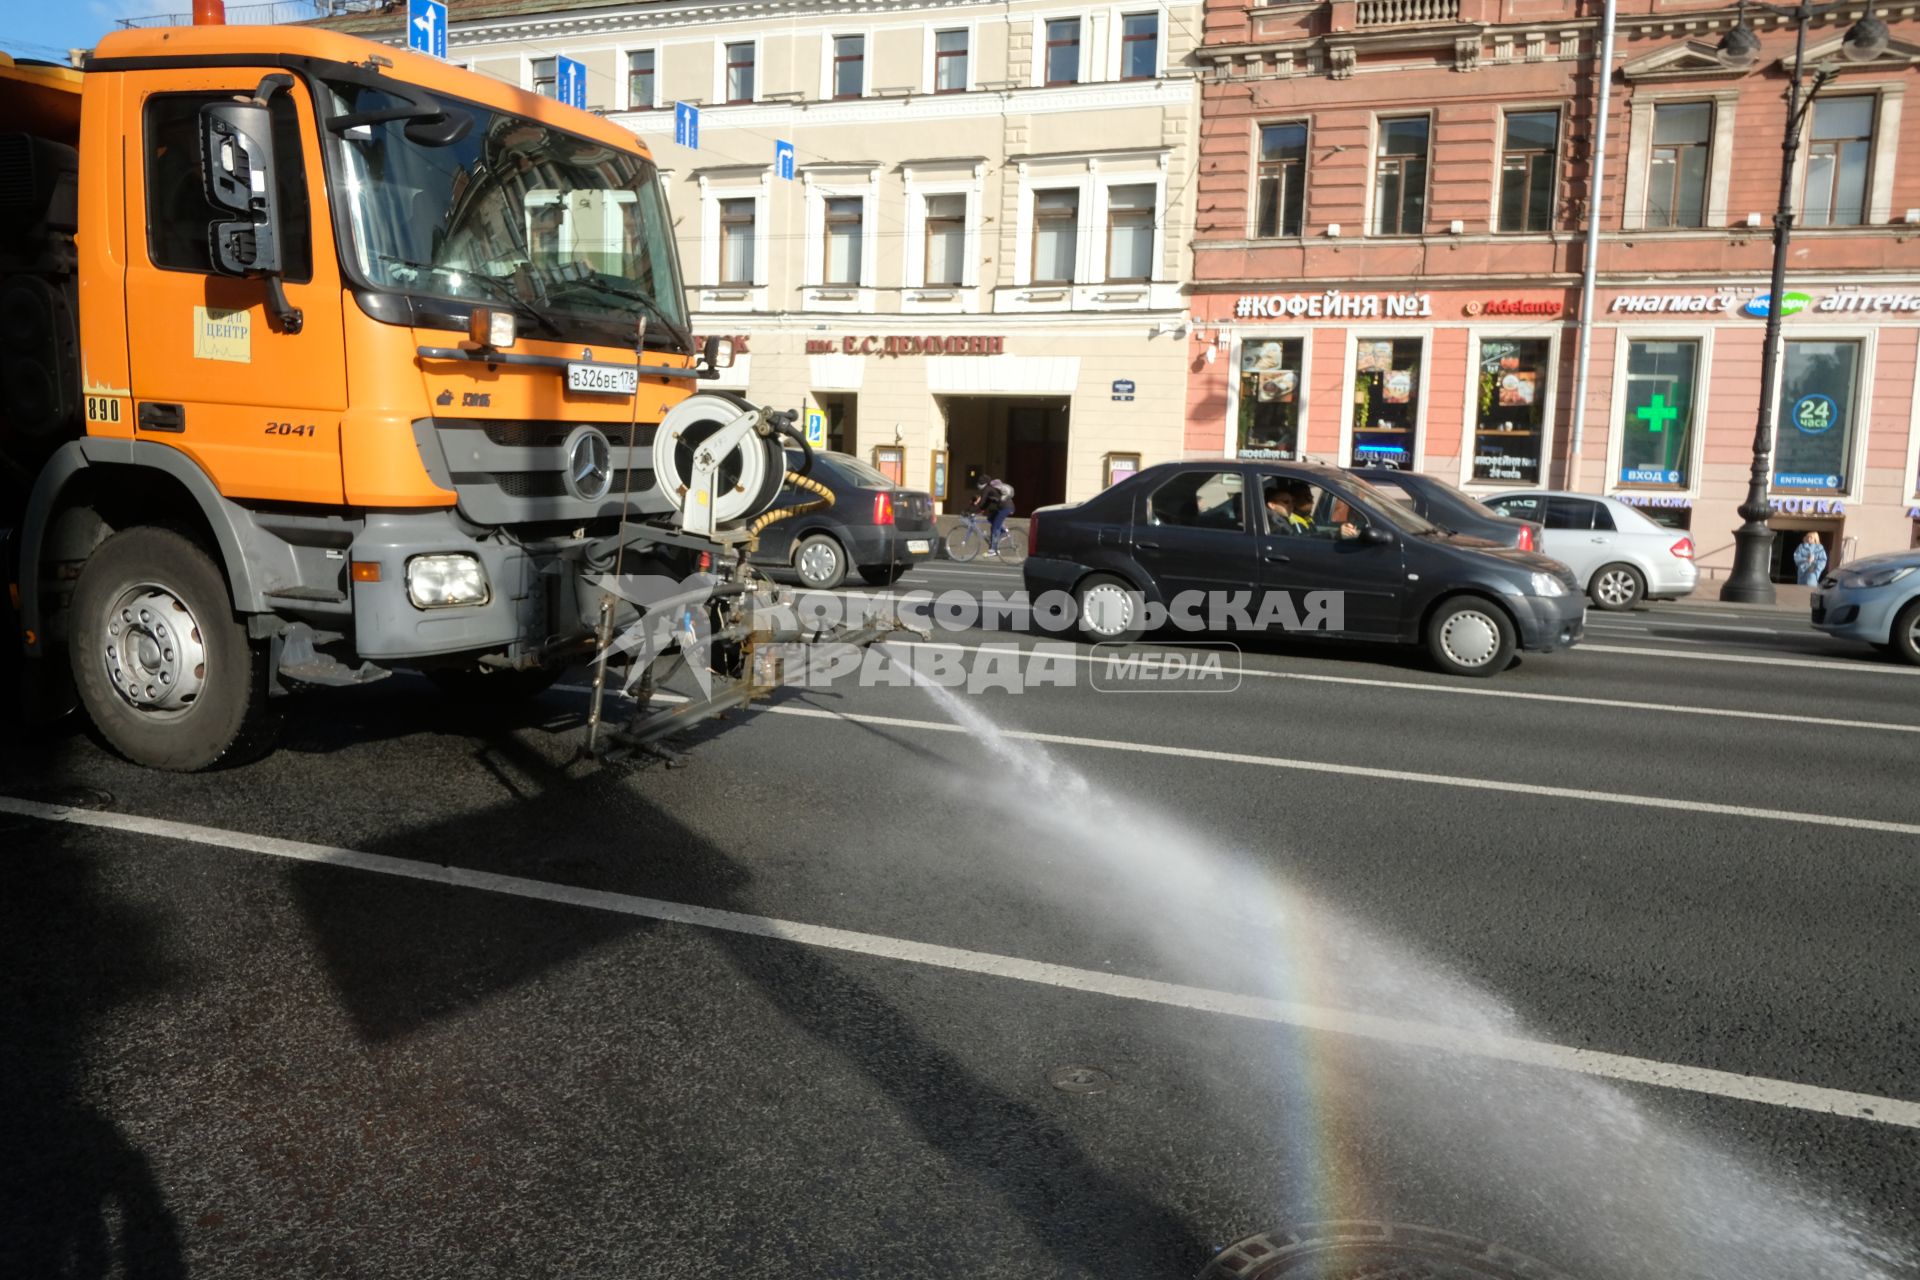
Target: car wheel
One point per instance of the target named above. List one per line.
(1906, 633)
(881, 575)
(1108, 610)
(1470, 637)
(1616, 587)
(820, 561)
(163, 666)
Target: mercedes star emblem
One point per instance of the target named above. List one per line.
(589, 464)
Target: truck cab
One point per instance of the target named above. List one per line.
(324, 358)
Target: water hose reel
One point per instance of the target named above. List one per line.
(719, 461)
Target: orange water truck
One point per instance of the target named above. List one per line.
(320, 359)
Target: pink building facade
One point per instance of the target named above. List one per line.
(1390, 232)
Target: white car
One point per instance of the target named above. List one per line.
(1621, 555)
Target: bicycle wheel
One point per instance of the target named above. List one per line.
(1013, 547)
(964, 542)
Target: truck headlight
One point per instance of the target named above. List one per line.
(1545, 584)
(442, 582)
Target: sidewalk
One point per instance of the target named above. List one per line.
(1788, 598)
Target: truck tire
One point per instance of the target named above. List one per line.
(493, 688)
(163, 665)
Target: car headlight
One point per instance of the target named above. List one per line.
(1545, 584)
(442, 582)
(1875, 577)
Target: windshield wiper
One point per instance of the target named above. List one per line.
(601, 285)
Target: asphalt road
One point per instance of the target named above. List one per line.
(1610, 961)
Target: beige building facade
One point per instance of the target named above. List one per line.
(977, 262)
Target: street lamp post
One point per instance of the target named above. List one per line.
(1750, 581)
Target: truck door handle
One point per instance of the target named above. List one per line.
(162, 417)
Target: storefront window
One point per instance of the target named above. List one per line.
(1386, 401)
(1813, 443)
(1513, 411)
(1270, 398)
(1656, 434)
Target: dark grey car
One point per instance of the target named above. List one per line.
(874, 527)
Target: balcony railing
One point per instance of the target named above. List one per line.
(1405, 13)
(260, 15)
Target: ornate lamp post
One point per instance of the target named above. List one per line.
(1750, 582)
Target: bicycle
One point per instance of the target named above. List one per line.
(968, 540)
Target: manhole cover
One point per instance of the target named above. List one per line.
(1071, 1079)
(1371, 1251)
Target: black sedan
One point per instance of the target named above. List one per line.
(873, 528)
(1218, 545)
(1451, 509)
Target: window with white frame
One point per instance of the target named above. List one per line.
(736, 241)
(849, 66)
(1677, 165)
(546, 77)
(740, 72)
(1837, 150)
(640, 79)
(946, 218)
(843, 233)
(1130, 211)
(1056, 235)
(1139, 46)
(1063, 51)
(950, 55)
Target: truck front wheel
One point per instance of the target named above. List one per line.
(164, 668)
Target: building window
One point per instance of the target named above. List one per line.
(1677, 166)
(546, 77)
(1528, 170)
(1130, 232)
(1056, 236)
(1813, 446)
(1063, 51)
(1837, 163)
(1270, 398)
(1513, 409)
(849, 66)
(950, 62)
(1386, 401)
(1400, 177)
(845, 219)
(946, 239)
(736, 241)
(740, 72)
(640, 79)
(1139, 46)
(1656, 431)
(1282, 197)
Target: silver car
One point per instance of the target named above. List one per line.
(1876, 599)
(1615, 550)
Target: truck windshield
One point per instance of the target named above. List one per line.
(570, 232)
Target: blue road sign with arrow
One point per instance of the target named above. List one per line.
(782, 159)
(570, 82)
(686, 125)
(427, 27)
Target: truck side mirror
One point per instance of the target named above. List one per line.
(236, 150)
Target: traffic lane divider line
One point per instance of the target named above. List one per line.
(1865, 666)
(1470, 691)
(1766, 1090)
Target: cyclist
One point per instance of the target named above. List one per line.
(994, 499)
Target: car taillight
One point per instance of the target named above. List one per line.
(1683, 548)
(1526, 538)
(883, 508)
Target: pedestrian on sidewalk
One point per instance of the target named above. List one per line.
(1810, 558)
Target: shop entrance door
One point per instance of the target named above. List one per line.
(1022, 441)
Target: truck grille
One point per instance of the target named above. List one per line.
(514, 472)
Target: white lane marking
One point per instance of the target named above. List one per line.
(1649, 624)
(1475, 692)
(1397, 1031)
(1866, 666)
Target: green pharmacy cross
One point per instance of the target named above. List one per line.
(1657, 414)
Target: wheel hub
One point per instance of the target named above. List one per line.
(1471, 638)
(1615, 587)
(1107, 610)
(155, 655)
(816, 561)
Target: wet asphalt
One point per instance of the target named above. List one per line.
(223, 1062)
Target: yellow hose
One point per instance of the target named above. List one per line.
(794, 481)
